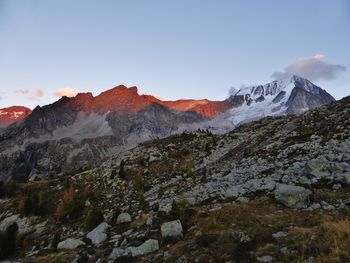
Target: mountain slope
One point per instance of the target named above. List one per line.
(269, 189)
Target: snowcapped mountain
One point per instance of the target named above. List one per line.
(13, 114)
(292, 95)
(85, 130)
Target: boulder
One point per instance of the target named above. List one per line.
(98, 234)
(292, 196)
(23, 224)
(171, 229)
(70, 243)
(149, 246)
(124, 218)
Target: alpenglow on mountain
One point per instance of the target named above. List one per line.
(83, 131)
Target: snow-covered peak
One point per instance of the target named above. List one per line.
(290, 95)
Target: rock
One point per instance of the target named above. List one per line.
(171, 229)
(70, 243)
(181, 259)
(265, 259)
(292, 196)
(280, 234)
(243, 199)
(124, 218)
(241, 237)
(22, 223)
(310, 260)
(149, 221)
(117, 253)
(98, 234)
(149, 246)
(336, 187)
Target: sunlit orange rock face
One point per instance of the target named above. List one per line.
(125, 99)
(13, 114)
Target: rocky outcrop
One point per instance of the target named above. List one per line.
(171, 229)
(292, 196)
(70, 243)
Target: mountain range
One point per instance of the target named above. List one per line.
(82, 131)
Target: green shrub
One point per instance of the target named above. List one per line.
(7, 189)
(138, 183)
(33, 204)
(8, 243)
(122, 173)
(94, 218)
(189, 172)
(141, 199)
(161, 192)
(179, 209)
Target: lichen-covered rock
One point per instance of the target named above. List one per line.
(172, 229)
(124, 218)
(70, 243)
(149, 246)
(292, 196)
(98, 234)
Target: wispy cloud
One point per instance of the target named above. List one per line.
(68, 92)
(312, 68)
(39, 92)
(22, 91)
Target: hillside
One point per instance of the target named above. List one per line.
(273, 190)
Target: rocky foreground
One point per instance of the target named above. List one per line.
(275, 190)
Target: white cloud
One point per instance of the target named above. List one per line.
(312, 68)
(69, 92)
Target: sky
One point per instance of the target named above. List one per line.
(171, 49)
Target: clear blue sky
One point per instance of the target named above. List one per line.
(172, 49)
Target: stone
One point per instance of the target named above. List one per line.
(265, 259)
(171, 229)
(149, 246)
(117, 253)
(241, 237)
(292, 196)
(124, 218)
(182, 259)
(98, 235)
(70, 243)
(23, 224)
(336, 187)
(280, 234)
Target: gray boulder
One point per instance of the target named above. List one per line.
(98, 234)
(149, 246)
(124, 218)
(70, 243)
(292, 196)
(171, 229)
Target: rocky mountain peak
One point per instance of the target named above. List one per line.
(13, 114)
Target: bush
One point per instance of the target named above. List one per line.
(139, 184)
(33, 204)
(70, 205)
(179, 209)
(161, 192)
(94, 218)
(122, 173)
(7, 189)
(8, 241)
(141, 199)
